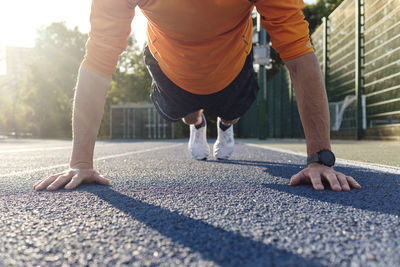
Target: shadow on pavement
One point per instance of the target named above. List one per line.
(213, 243)
(379, 192)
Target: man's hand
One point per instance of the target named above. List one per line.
(90, 95)
(315, 173)
(71, 179)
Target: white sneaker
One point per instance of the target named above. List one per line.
(198, 146)
(223, 147)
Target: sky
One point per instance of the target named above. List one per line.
(19, 20)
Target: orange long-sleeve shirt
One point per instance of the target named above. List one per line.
(200, 45)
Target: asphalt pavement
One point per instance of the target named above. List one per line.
(376, 152)
(164, 208)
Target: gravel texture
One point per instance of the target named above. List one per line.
(163, 208)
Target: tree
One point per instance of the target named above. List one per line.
(5, 105)
(131, 80)
(315, 12)
(56, 57)
(46, 106)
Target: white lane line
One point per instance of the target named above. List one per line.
(359, 164)
(34, 170)
(33, 149)
(98, 144)
(96, 159)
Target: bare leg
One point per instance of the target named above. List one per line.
(229, 123)
(193, 118)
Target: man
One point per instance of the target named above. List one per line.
(199, 55)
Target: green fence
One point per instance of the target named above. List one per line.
(341, 52)
(282, 117)
(358, 47)
(382, 62)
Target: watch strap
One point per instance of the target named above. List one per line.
(312, 158)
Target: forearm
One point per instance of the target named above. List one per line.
(90, 95)
(312, 101)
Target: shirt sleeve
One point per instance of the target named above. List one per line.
(285, 23)
(110, 22)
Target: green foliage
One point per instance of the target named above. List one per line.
(131, 81)
(48, 87)
(315, 12)
(4, 105)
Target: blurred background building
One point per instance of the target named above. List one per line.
(16, 61)
(14, 64)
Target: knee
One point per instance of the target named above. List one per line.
(189, 120)
(192, 118)
(229, 122)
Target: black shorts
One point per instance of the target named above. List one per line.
(174, 103)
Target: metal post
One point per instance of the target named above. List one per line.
(262, 81)
(134, 124)
(128, 122)
(111, 123)
(123, 124)
(156, 129)
(149, 121)
(325, 49)
(359, 82)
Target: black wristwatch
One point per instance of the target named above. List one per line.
(325, 157)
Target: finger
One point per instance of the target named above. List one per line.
(45, 182)
(101, 179)
(298, 178)
(60, 181)
(353, 183)
(343, 181)
(37, 183)
(333, 181)
(75, 181)
(316, 180)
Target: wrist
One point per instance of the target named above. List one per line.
(81, 157)
(316, 146)
(81, 164)
(316, 164)
(323, 157)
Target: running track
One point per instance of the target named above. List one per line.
(164, 208)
